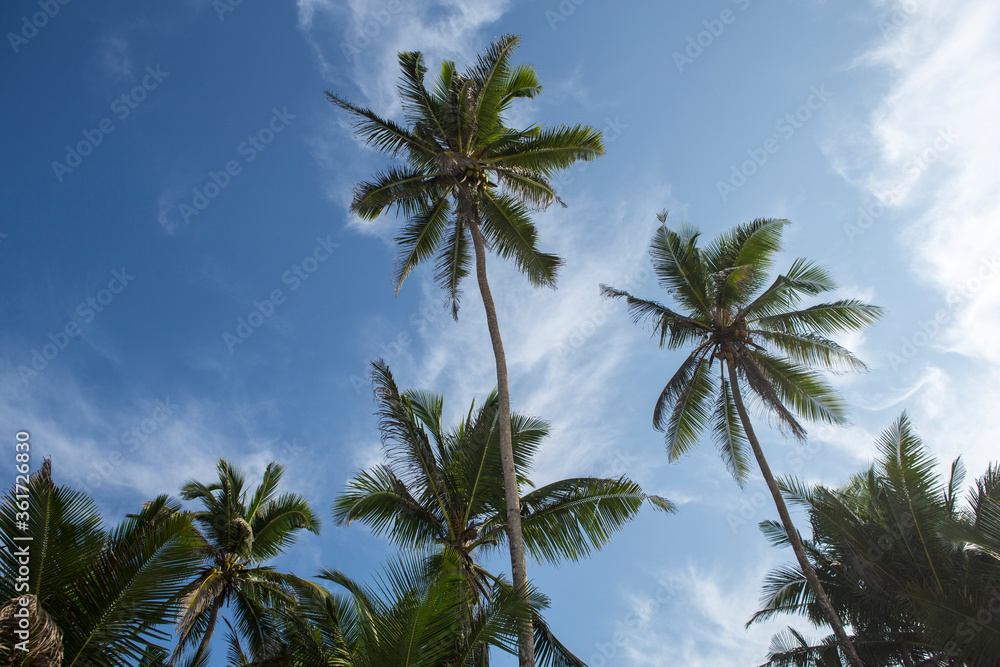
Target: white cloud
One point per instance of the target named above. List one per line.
(116, 58)
(927, 151)
(363, 36)
(933, 139)
(122, 452)
(167, 215)
(696, 619)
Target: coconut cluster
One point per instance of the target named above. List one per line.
(475, 177)
(732, 339)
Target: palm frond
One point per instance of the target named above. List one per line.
(680, 267)
(411, 191)
(687, 396)
(381, 134)
(729, 434)
(554, 149)
(420, 238)
(802, 389)
(825, 319)
(511, 234)
(454, 262)
(569, 518)
(674, 330)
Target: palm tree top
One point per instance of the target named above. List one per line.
(463, 165)
(905, 560)
(238, 532)
(255, 527)
(440, 487)
(729, 310)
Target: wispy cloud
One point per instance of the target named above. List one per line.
(125, 450)
(927, 151)
(362, 37)
(935, 127)
(116, 59)
(703, 626)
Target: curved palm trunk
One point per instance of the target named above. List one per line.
(793, 536)
(519, 571)
(209, 630)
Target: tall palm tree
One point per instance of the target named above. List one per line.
(238, 533)
(760, 338)
(469, 176)
(906, 564)
(93, 596)
(439, 491)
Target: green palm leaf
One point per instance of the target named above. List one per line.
(511, 234)
(569, 518)
(689, 398)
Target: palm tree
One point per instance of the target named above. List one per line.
(906, 564)
(439, 490)
(760, 339)
(468, 175)
(93, 596)
(237, 535)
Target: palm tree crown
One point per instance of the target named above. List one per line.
(442, 487)
(730, 314)
(93, 595)
(410, 617)
(238, 534)
(762, 339)
(464, 167)
(907, 564)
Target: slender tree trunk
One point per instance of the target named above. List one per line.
(793, 536)
(207, 637)
(519, 571)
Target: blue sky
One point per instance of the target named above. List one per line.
(174, 167)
